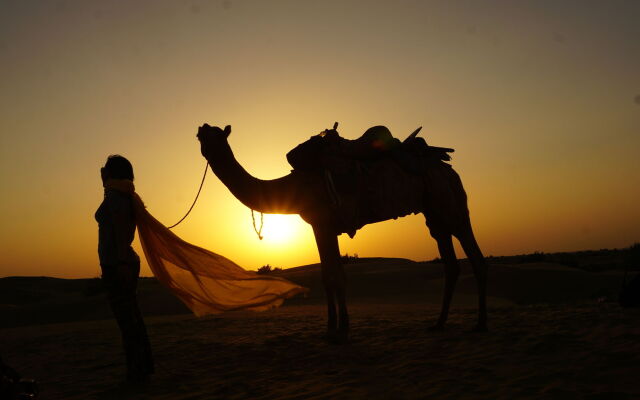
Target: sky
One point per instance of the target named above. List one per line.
(540, 99)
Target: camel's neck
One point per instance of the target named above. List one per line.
(278, 196)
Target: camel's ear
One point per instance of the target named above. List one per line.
(227, 130)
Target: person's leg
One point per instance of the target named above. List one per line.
(116, 296)
(143, 348)
(124, 305)
(144, 358)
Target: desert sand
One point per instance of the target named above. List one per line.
(555, 333)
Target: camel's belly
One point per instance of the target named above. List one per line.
(371, 192)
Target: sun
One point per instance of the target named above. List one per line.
(280, 228)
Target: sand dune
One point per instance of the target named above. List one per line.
(554, 334)
(34, 301)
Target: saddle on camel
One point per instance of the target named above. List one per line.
(361, 175)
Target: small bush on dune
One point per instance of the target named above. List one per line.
(346, 258)
(267, 269)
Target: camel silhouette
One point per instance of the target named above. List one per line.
(444, 205)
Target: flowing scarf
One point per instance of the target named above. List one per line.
(206, 282)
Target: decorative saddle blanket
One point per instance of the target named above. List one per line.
(371, 179)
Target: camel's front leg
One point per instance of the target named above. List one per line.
(334, 280)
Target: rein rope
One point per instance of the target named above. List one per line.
(206, 167)
(258, 231)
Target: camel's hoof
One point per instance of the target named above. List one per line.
(337, 337)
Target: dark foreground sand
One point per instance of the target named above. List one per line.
(588, 351)
(555, 333)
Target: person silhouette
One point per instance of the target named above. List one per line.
(121, 267)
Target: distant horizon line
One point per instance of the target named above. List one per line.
(536, 252)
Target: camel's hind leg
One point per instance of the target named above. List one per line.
(335, 283)
(474, 254)
(451, 273)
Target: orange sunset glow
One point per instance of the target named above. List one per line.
(541, 104)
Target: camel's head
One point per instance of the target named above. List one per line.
(212, 138)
